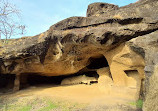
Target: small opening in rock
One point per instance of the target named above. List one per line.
(6, 82)
(97, 63)
(132, 73)
(136, 82)
(91, 74)
(102, 5)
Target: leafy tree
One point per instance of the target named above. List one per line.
(9, 20)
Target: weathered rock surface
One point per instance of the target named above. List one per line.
(82, 79)
(95, 9)
(147, 45)
(69, 46)
(152, 92)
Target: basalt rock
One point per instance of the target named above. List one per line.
(125, 36)
(96, 9)
(147, 46)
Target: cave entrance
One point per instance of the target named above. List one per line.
(97, 62)
(27, 80)
(6, 82)
(101, 66)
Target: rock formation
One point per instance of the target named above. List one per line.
(121, 38)
(82, 79)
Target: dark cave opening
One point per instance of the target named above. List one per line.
(98, 62)
(34, 79)
(134, 74)
(27, 80)
(37, 79)
(91, 74)
(6, 82)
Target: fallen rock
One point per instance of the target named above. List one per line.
(82, 79)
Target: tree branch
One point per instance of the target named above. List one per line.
(8, 18)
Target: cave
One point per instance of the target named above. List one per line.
(27, 80)
(91, 74)
(36, 79)
(6, 82)
(97, 62)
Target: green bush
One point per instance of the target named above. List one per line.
(138, 103)
(49, 107)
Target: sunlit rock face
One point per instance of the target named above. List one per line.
(116, 42)
(97, 9)
(148, 43)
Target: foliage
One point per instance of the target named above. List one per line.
(31, 103)
(49, 106)
(138, 103)
(25, 108)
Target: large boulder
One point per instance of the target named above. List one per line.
(147, 46)
(151, 98)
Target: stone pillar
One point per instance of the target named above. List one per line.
(16, 83)
(23, 81)
(118, 74)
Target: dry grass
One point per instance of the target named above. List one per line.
(34, 103)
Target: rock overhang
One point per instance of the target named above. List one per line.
(67, 46)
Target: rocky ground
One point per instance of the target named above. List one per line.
(70, 98)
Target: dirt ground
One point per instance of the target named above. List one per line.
(69, 98)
